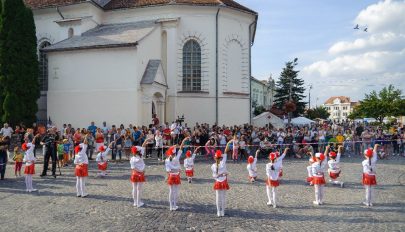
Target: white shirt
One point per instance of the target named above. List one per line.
(334, 164)
(274, 174)
(367, 168)
(221, 170)
(189, 162)
(137, 163)
(318, 169)
(252, 169)
(29, 157)
(81, 157)
(102, 156)
(173, 165)
(6, 131)
(159, 141)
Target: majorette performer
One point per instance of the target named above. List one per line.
(318, 175)
(369, 173)
(220, 175)
(189, 164)
(311, 160)
(102, 160)
(251, 167)
(138, 172)
(29, 160)
(334, 168)
(273, 175)
(81, 170)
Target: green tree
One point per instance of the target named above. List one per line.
(318, 112)
(387, 102)
(258, 110)
(287, 76)
(19, 64)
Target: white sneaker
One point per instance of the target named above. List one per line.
(219, 214)
(140, 204)
(370, 204)
(85, 195)
(274, 206)
(222, 213)
(342, 184)
(135, 205)
(269, 203)
(365, 203)
(175, 208)
(33, 190)
(315, 203)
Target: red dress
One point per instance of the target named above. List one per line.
(272, 183)
(137, 177)
(81, 170)
(173, 179)
(190, 173)
(221, 185)
(334, 175)
(29, 169)
(102, 166)
(369, 179)
(319, 180)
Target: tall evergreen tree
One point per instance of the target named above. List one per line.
(283, 88)
(1, 76)
(19, 64)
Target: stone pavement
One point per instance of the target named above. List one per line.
(55, 206)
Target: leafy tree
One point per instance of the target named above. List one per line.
(19, 64)
(387, 102)
(258, 110)
(318, 112)
(283, 89)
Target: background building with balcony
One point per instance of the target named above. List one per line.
(339, 107)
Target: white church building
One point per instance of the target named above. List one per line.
(121, 61)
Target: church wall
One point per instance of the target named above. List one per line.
(93, 85)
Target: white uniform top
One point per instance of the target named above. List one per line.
(319, 169)
(221, 170)
(189, 162)
(29, 157)
(370, 169)
(137, 163)
(102, 156)
(252, 169)
(81, 157)
(173, 165)
(274, 174)
(334, 164)
(140, 150)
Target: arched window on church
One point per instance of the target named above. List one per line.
(43, 67)
(192, 66)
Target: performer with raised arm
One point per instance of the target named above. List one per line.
(251, 167)
(102, 160)
(29, 160)
(220, 175)
(369, 171)
(138, 172)
(318, 176)
(273, 175)
(334, 168)
(81, 170)
(189, 164)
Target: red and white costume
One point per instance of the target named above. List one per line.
(137, 174)
(273, 175)
(220, 175)
(318, 177)
(102, 161)
(189, 165)
(29, 169)
(252, 169)
(334, 168)
(172, 165)
(309, 170)
(81, 169)
(369, 175)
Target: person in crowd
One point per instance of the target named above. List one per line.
(50, 141)
(18, 159)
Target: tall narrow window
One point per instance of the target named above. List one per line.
(43, 67)
(192, 66)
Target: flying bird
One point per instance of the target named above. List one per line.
(356, 27)
(365, 29)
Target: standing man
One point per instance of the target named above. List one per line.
(92, 128)
(50, 144)
(6, 131)
(4, 144)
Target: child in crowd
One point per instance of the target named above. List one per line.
(60, 151)
(18, 158)
(251, 167)
(66, 150)
(235, 148)
(273, 175)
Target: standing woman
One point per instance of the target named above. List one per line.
(369, 171)
(172, 165)
(221, 185)
(81, 170)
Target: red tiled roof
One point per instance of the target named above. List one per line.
(343, 99)
(119, 4)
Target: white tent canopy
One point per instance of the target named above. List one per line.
(265, 118)
(301, 121)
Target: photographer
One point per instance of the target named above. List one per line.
(50, 141)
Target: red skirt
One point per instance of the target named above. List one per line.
(280, 173)
(81, 170)
(29, 169)
(309, 179)
(137, 177)
(272, 183)
(369, 179)
(319, 180)
(221, 185)
(334, 175)
(190, 173)
(173, 179)
(102, 166)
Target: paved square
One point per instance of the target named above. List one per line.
(109, 206)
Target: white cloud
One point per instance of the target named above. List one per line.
(358, 66)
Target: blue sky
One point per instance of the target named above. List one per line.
(320, 34)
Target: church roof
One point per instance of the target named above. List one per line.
(150, 72)
(119, 4)
(104, 36)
